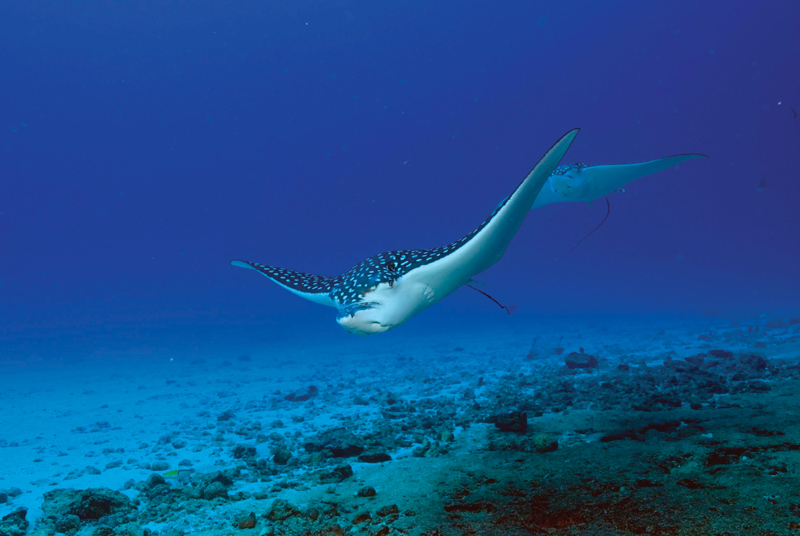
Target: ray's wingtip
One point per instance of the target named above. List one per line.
(241, 264)
(566, 138)
(690, 156)
(570, 136)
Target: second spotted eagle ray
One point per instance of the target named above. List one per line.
(384, 291)
(582, 182)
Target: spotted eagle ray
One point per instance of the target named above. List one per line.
(383, 292)
(582, 182)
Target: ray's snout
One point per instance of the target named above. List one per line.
(360, 323)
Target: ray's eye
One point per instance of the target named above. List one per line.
(392, 268)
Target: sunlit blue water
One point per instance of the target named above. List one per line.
(145, 145)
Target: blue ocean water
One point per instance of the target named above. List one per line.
(146, 144)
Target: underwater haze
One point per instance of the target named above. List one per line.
(146, 144)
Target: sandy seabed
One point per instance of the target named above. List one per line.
(671, 428)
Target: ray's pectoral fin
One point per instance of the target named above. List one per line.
(315, 288)
(602, 180)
